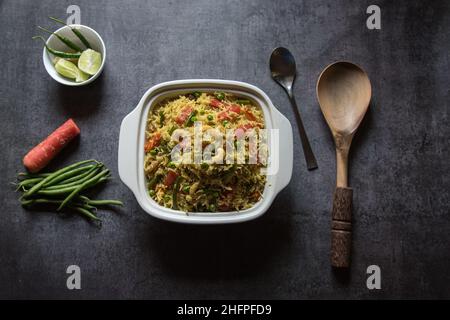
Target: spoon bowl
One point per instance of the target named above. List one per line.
(344, 92)
(282, 67)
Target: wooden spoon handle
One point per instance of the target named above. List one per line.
(341, 227)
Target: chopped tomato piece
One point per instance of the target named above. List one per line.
(249, 115)
(239, 132)
(234, 108)
(152, 142)
(215, 103)
(223, 116)
(170, 178)
(185, 113)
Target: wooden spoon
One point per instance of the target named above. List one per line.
(343, 91)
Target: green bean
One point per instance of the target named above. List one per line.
(57, 53)
(175, 193)
(161, 119)
(39, 200)
(105, 202)
(39, 185)
(84, 185)
(88, 201)
(28, 182)
(229, 174)
(56, 192)
(85, 212)
(64, 40)
(171, 130)
(75, 31)
(68, 174)
(242, 101)
(80, 176)
(189, 120)
(154, 181)
(28, 175)
(66, 190)
(89, 175)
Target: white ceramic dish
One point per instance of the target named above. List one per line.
(131, 150)
(90, 34)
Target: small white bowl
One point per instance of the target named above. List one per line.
(53, 42)
(132, 138)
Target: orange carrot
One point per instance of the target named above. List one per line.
(45, 151)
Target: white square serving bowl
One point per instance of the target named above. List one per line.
(132, 139)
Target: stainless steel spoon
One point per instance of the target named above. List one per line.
(283, 70)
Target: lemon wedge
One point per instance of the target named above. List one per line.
(90, 61)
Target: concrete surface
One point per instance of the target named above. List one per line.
(399, 161)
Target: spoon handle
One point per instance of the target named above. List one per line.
(341, 227)
(311, 162)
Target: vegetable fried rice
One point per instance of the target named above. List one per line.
(206, 186)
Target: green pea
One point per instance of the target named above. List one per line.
(152, 193)
(186, 188)
(171, 165)
(225, 122)
(193, 119)
(154, 152)
(202, 112)
(212, 207)
(204, 165)
(210, 117)
(220, 95)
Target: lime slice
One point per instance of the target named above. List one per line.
(90, 61)
(81, 76)
(67, 69)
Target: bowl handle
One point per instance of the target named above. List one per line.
(285, 151)
(128, 150)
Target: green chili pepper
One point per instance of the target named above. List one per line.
(64, 40)
(75, 31)
(57, 53)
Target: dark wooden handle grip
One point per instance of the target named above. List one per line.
(341, 228)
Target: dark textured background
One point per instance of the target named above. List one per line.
(399, 161)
